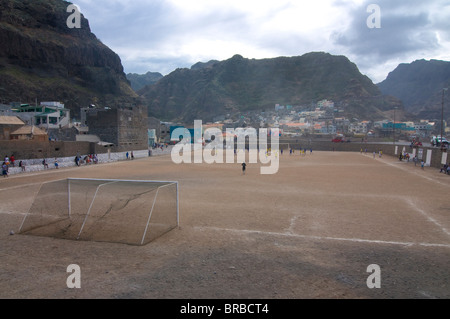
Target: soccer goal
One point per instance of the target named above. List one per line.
(120, 211)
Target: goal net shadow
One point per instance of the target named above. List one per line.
(119, 211)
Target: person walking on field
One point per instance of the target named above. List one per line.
(243, 168)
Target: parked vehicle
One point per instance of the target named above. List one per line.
(339, 139)
(437, 141)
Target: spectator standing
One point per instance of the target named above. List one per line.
(4, 169)
(22, 166)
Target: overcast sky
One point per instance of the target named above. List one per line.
(162, 35)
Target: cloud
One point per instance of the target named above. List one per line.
(409, 30)
(161, 35)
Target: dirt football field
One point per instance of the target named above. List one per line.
(319, 228)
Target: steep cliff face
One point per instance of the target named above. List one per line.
(42, 58)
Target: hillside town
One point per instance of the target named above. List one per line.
(322, 120)
(52, 121)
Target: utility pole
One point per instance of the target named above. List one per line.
(393, 127)
(443, 148)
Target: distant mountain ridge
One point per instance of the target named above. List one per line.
(419, 85)
(202, 65)
(239, 84)
(43, 59)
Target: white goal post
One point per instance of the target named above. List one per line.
(133, 212)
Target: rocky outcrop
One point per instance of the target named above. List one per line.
(42, 58)
(419, 85)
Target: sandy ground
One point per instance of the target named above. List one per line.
(310, 231)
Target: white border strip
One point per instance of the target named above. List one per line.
(356, 240)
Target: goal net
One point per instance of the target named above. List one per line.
(121, 211)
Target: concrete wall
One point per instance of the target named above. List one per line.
(35, 165)
(387, 149)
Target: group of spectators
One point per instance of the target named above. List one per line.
(88, 159)
(406, 156)
(160, 146)
(445, 169)
(10, 162)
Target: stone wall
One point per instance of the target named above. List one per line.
(132, 132)
(39, 149)
(126, 128)
(104, 124)
(7, 129)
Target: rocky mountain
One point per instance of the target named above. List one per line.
(138, 81)
(202, 65)
(419, 85)
(239, 85)
(42, 59)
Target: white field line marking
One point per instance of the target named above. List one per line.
(11, 213)
(412, 171)
(427, 216)
(34, 215)
(19, 186)
(355, 240)
(290, 230)
(42, 172)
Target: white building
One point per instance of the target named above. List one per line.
(47, 115)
